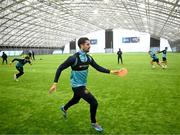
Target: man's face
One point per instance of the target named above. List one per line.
(86, 46)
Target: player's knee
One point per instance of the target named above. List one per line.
(95, 104)
(76, 101)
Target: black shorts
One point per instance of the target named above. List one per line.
(156, 60)
(164, 58)
(20, 69)
(82, 92)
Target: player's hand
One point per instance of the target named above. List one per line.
(157, 52)
(122, 72)
(53, 88)
(115, 72)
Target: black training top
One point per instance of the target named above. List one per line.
(79, 63)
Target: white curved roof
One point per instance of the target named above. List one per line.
(53, 23)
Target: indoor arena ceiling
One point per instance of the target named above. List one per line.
(53, 23)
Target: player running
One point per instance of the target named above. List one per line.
(79, 63)
(19, 66)
(164, 59)
(154, 59)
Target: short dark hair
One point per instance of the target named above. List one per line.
(27, 57)
(82, 40)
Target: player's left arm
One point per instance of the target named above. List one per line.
(29, 62)
(102, 69)
(15, 59)
(98, 67)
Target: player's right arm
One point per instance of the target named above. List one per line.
(70, 61)
(160, 51)
(15, 59)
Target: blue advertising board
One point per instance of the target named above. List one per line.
(93, 41)
(126, 40)
(130, 39)
(134, 39)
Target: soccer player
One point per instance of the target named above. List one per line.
(4, 57)
(19, 66)
(30, 54)
(79, 63)
(154, 59)
(33, 55)
(164, 59)
(119, 53)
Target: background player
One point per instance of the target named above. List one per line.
(19, 66)
(164, 59)
(154, 59)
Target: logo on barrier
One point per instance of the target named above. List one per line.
(130, 39)
(93, 41)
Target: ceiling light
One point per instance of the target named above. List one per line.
(26, 3)
(55, 14)
(151, 1)
(77, 1)
(95, 11)
(106, 1)
(144, 19)
(142, 5)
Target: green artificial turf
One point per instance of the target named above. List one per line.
(146, 101)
